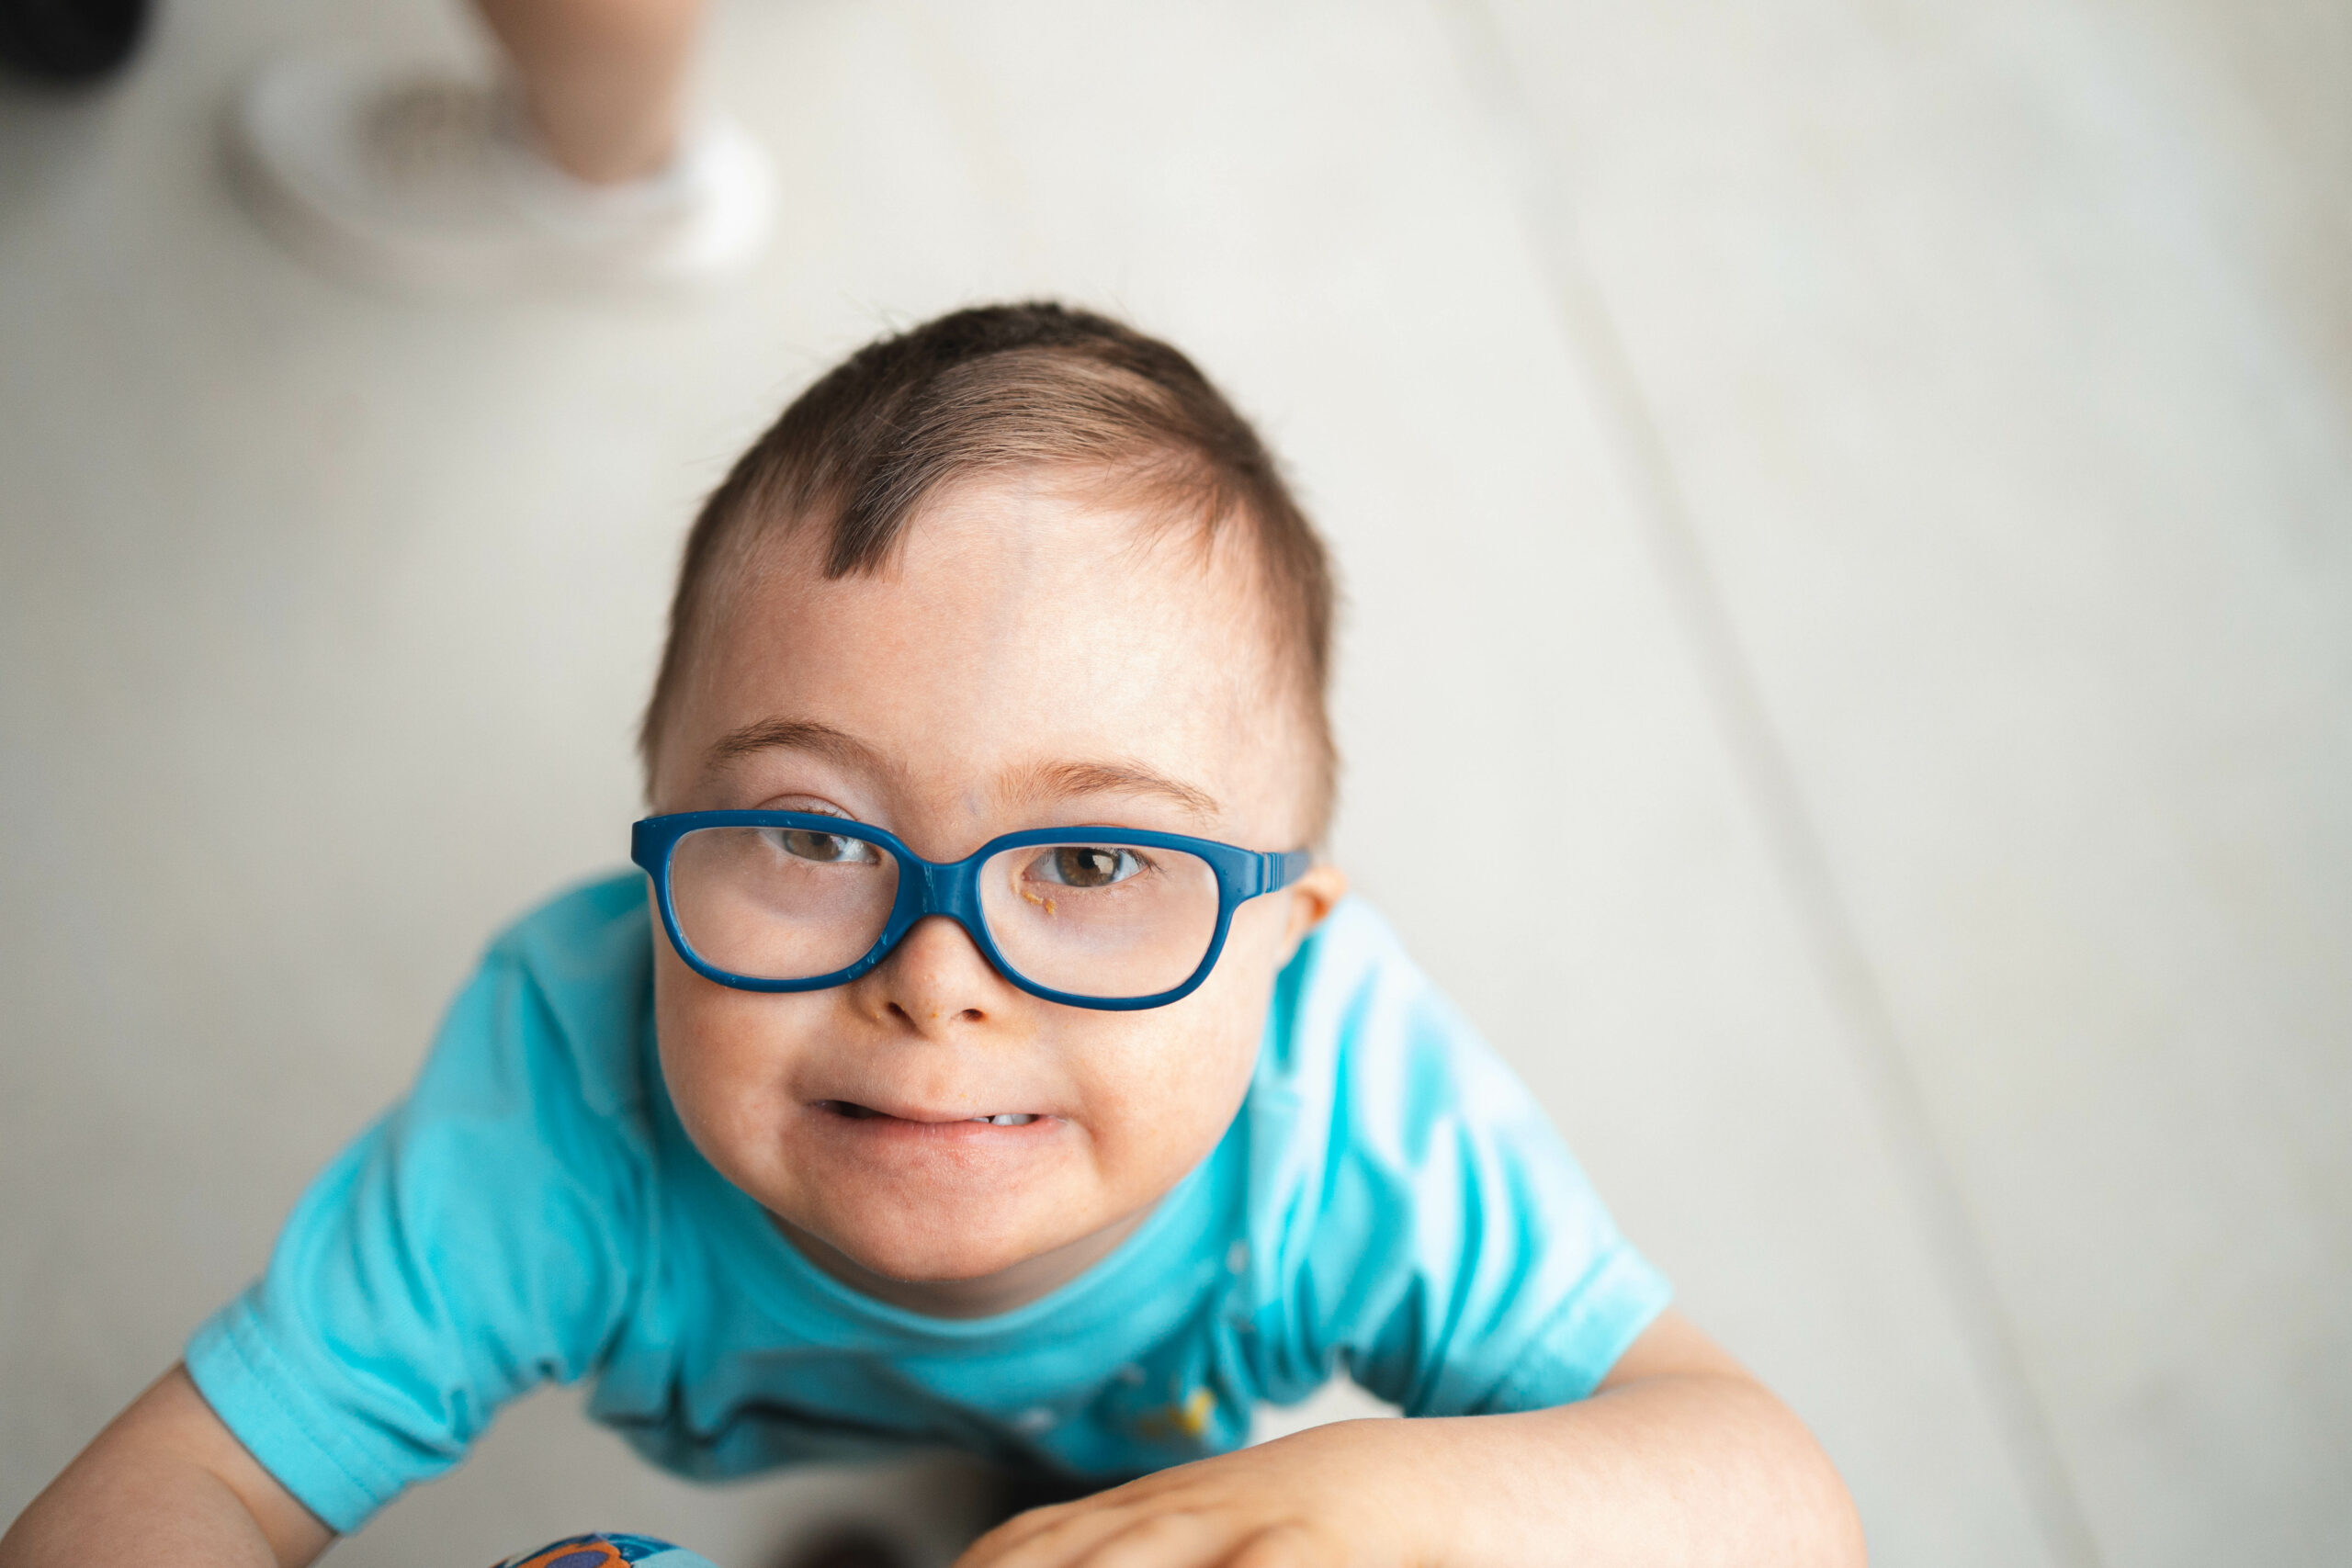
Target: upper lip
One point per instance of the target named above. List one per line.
(906, 1112)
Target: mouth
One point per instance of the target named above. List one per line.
(852, 1111)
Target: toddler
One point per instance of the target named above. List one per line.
(980, 1057)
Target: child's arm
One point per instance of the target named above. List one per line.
(1681, 1458)
(164, 1482)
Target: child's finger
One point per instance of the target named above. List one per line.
(1015, 1530)
(1100, 1537)
(1014, 1543)
(1179, 1538)
(1288, 1545)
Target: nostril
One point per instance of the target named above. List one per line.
(970, 1015)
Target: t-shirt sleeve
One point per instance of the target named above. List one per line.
(479, 1239)
(1442, 1247)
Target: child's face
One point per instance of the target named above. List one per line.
(1031, 659)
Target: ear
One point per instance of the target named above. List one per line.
(1312, 898)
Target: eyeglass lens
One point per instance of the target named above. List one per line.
(1092, 920)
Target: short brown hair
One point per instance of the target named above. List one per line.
(999, 389)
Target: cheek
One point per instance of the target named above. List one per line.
(1254, 950)
(724, 1057)
(1156, 1111)
(1174, 1083)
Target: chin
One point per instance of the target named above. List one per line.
(914, 1254)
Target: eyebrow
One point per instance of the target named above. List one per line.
(797, 735)
(1038, 780)
(1109, 778)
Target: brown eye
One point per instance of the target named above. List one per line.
(825, 848)
(1088, 866)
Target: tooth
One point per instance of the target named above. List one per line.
(1012, 1119)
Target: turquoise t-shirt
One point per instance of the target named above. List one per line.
(1389, 1203)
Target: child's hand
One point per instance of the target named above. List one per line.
(1341, 1495)
(1681, 1456)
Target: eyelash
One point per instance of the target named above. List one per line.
(810, 804)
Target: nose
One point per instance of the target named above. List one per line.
(935, 979)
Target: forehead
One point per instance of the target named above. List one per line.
(1022, 624)
(1029, 573)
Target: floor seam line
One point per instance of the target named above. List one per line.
(1767, 773)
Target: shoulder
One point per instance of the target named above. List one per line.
(1416, 1212)
(565, 993)
(1360, 1032)
(584, 935)
(1379, 1107)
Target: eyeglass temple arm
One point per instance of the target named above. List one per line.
(1277, 869)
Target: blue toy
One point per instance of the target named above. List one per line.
(608, 1550)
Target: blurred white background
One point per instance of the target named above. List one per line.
(1848, 511)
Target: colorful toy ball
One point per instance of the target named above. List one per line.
(608, 1550)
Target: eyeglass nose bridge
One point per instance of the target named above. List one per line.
(947, 888)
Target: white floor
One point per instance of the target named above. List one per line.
(1854, 495)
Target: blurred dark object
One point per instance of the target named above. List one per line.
(1016, 1491)
(855, 1547)
(70, 40)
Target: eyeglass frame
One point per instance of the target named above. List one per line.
(952, 888)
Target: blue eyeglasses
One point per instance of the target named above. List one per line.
(1112, 918)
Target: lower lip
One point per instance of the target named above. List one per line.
(878, 1128)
